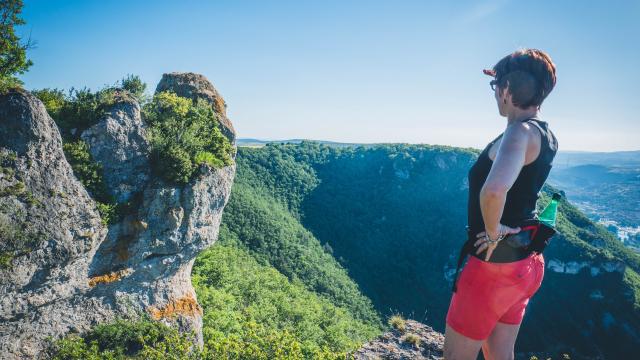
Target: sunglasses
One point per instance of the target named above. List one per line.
(493, 84)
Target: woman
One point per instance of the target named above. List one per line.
(498, 280)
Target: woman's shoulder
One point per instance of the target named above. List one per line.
(519, 132)
(548, 138)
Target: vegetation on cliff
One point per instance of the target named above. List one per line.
(251, 310)
(144, 339)
(184, 134)
(74, 112)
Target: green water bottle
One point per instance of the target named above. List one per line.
(549, 214)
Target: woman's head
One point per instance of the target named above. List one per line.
(523, 79)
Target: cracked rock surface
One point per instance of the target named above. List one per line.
(417, 341)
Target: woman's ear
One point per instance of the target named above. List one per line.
(504, 92)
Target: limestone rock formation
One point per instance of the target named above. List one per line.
(417, 341)
(118, 143)
(76, 272)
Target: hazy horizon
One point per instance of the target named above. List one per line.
(414, 143)
(357, 72)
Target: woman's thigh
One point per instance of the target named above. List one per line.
(460, 347)
(501, 342)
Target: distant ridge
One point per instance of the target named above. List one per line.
(259, 142)
(251, 142)
(565, 159)
(570, 157)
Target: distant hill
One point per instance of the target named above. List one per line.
(566, 159)
(258, 142)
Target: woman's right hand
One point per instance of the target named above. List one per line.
(482, 243)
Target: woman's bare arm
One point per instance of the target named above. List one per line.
(506, 167)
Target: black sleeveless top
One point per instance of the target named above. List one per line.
(522, 196)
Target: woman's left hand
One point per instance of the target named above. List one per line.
(502, 230)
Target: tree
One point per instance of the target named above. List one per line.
(13, 57)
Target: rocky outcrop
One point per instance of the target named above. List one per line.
(417, 341)
(118, 143)
(82, 272)
(41, 290)
(196, 86)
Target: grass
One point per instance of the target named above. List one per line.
(397, 322)
(412, 339)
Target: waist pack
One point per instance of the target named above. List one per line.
(534, 236)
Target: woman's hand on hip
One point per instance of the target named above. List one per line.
(482, 244)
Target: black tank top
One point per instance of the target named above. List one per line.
(521, 199)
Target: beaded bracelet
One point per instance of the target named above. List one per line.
(488, 239)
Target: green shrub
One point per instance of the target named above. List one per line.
(184, 134)
(205, 157)
(83, 109)
(173, 162)
(89, 173)
(9, 82)
(135, 86)
(108, 212)
(124, 339)
(5, 259)
(53, 99)
(87, 170)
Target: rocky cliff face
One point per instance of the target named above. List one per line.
(413, 340)
(67, 271)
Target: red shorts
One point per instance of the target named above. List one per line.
(491, 292)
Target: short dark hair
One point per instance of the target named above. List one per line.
(531, 75)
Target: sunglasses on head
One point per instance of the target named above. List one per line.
(493, 82)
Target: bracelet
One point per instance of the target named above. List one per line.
(488, 239)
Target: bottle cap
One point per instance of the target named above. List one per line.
(556, 196)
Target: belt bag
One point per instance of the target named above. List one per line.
(534, 235)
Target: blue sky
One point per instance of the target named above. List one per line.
(357, 71)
